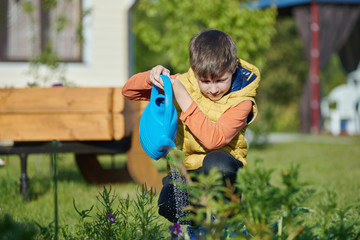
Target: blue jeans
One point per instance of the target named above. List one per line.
(223, 161)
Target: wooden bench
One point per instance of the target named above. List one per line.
(84, 121)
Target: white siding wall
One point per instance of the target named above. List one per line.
(105, 51)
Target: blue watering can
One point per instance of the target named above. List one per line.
(158, 123)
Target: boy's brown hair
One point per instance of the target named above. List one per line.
(212, 53)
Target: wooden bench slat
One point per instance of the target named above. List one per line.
(64, 126)
(61, 99)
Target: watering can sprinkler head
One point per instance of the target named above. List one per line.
(158, 123)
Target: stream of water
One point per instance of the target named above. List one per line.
(181, 196)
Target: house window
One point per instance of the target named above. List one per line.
(28, 27)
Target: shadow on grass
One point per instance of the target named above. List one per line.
(70, 175)
(41, 185)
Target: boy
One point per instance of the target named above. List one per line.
(215, 102)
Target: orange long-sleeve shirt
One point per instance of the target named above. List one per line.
(212, 135)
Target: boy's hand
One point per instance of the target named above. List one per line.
(180, 94)
(155, 73)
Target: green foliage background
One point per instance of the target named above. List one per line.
(283, 76)
(166, 27)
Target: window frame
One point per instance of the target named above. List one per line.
(44, 27)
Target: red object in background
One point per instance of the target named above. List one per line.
(315, 68)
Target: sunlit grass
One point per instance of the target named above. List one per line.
(71, 185)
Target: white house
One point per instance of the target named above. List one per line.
(103, 60)
(341, 109)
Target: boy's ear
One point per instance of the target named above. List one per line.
(236, 65)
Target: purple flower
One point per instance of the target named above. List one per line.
(111, 217)
(175, 231)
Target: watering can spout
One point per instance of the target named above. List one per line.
(166, 142)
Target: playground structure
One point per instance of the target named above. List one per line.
(341, 109)
(83, 121)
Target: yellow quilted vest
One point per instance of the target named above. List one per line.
(187, 142)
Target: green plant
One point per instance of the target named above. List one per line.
(130, 219)
(334, 222)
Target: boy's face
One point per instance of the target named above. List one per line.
(215, 88)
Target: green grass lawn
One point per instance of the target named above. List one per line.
(325, 162)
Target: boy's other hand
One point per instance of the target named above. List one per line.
(155, 73)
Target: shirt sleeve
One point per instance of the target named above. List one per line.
(214, 135)
(138, 87)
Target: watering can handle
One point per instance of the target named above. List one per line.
(168, 102)
(167, 90)
(168, 108)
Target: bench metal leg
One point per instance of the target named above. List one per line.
(24, 180)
